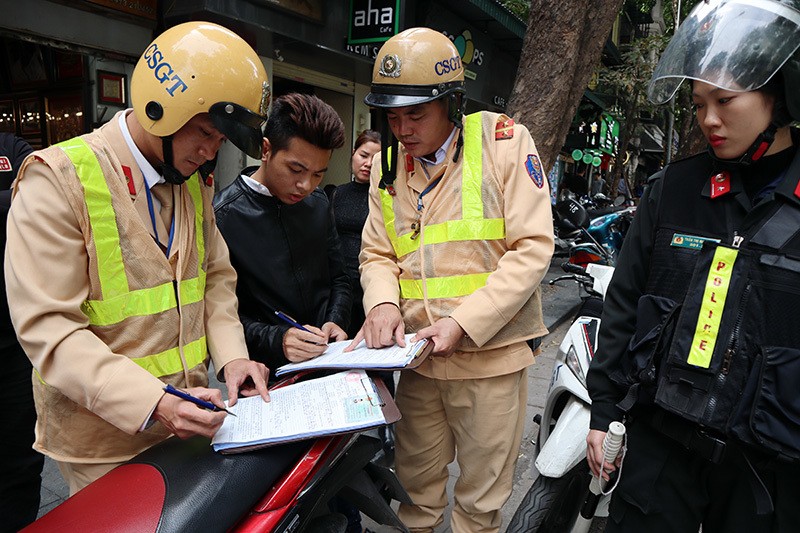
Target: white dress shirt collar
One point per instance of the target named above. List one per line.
(151, 175)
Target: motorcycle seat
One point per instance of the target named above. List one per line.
(176, 486)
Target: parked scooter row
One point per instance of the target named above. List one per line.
(182, 485)
(585, 240)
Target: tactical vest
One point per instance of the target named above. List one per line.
(139, 304)
(727, 357)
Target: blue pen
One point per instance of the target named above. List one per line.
(291, 321)
(294, 323)
(169, 389)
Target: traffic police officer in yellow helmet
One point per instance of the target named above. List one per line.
(458, 237)
(118, 279)
(199, 68)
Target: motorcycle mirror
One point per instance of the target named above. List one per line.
(619, 200)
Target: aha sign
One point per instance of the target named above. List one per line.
(373, 20)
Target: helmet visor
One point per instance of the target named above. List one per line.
(737, 45)
(240, 125)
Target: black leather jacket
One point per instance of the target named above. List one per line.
(287, 258)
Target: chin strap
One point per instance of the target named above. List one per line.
(389, 149)
(756, 150)
(459, 142)
(171, 174)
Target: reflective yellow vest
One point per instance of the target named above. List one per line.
(119, 302)
(471, 227)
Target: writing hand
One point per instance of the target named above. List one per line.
(185, 419)
(299, 345)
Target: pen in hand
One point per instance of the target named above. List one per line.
(292, 322)
(169, 389)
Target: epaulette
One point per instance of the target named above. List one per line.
(504, 128)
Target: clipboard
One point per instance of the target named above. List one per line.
(341, 362)
(375, 392)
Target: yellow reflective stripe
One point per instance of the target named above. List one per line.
(448, 231)
(388, 222)
(197, 198)
(713, 304)
(472, 170)
(143, 302)
(472, 226)
(193, 290)
(466, 230)
(140, 302)
(169, 361)
(445, 287)
(102, 218)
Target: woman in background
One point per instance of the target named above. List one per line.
(350, 209)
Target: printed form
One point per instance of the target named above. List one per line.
(361, 357)
(342, 402)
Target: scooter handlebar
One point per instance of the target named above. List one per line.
(573, 269)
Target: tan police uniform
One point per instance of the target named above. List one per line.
(103, 347)
(476, 252)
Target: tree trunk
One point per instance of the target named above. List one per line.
(560, 51)
(628, 126)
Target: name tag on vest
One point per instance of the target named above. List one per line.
(693, 242)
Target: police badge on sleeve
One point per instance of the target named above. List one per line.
(534, 167)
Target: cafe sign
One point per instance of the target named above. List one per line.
(373, 21)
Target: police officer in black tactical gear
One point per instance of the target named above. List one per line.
(699, 348)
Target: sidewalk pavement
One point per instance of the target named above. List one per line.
(559, 303)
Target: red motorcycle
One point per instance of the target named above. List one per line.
(182, 485)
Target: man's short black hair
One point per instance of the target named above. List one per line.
(304, 116)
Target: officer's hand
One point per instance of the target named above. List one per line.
(594, 453)
(299, 345)
(382, 327)
(446, 335)
(186, 419)
(333, 331)
(246, 377)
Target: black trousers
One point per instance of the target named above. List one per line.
(20, 465)
(666, 488)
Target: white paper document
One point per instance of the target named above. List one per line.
(339, 403)
(392, 357)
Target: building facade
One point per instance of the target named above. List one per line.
(67, 65)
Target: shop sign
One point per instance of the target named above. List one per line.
(141, 8)
(471, 55)
(365, 50)
(373, 21)
(609, 134)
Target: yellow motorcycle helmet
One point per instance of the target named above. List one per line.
(201, 67)
(416, 66)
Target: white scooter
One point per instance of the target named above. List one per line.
(554, 502)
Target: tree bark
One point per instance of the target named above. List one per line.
(561, 49)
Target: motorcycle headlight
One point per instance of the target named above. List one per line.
(575, 365)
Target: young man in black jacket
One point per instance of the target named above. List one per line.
(282, 241)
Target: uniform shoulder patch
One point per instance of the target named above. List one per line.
(534, 167)
(504, 129)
